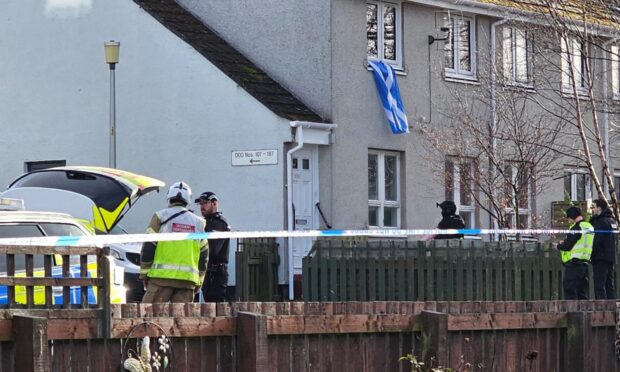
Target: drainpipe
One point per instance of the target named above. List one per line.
(299, 138)
(606, 116)
(494, 103)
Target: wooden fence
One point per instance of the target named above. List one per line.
(441, 270)
(27, 289)
(257, 263)
(537, 336)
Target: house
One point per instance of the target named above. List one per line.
(444, 52)
(206, 87)
(188, 107)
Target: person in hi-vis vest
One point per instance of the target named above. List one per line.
(575, 252)
(174, 270)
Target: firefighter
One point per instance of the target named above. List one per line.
(174, 270)
(575, 252)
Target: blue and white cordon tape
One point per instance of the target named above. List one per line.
(101, 240)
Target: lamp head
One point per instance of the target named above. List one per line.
(112, 49)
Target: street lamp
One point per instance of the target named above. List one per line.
(112, 49)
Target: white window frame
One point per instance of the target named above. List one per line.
(521, 211)
(615, 71)
(574, 172)
(616, 183)
(456, 190)
(455, 71)
(512, 53)
(573, 49)
(398, 63)
(381, 203)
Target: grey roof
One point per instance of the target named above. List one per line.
(229, 60)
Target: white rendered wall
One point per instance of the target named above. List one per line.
(178, 116)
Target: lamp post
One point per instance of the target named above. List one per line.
(112, 49)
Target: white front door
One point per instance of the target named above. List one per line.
(305, 197)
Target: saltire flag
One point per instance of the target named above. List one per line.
(387, 87)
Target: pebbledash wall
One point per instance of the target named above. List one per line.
(178, 117)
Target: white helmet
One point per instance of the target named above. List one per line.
(180, 191)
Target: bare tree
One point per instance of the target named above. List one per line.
(578, 40)
(514, 156)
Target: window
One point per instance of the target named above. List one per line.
(617, 185)
(383, 31)
(383, 189)
(30, 166)
(577, 185)
(517, 56)
(460, 48)
(459, 187)
(574, 55)
(520, 176)
(615, 70)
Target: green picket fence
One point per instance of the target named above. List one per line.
(257, 263)
(442, 270)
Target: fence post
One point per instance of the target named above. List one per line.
(252, 348)
(434, 337)
(576, 341)
(30, 335)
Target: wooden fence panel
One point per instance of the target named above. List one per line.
(432, 271)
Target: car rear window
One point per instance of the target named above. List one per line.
(20, 231)
(59, 229)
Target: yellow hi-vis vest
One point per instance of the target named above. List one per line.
(582, 250)
(178, 259)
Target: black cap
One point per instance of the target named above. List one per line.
(573, 212)
(206, 196)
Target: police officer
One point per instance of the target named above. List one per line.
(604, 250)
(575, 252)
(449, 220)
(216, 282)
(174, 270)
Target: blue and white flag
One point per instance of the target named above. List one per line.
(387, 87)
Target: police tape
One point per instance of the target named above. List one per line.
(101, 240)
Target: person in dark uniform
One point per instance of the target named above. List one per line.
(575, 252)
(216, 281)
(449, 220)
(604, 250)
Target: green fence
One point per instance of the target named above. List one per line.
(257, 263)
(441, 270)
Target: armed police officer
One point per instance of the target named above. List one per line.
(216, 282)
(174, 270)
(449, 220)
(575, 253)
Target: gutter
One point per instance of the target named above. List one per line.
(299, 138)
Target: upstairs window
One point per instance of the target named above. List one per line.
(460, 185)
(615, 70)
(383, 31)
(460, 48)
(383, 189)
(517, 56)
(574, 56)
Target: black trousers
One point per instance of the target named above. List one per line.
(215, 284)
(575, 280)
(603, 273)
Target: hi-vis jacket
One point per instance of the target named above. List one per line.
(582, 250)
(176, 260)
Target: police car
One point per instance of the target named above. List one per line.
(17, 223)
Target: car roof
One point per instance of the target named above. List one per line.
(28, 216)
